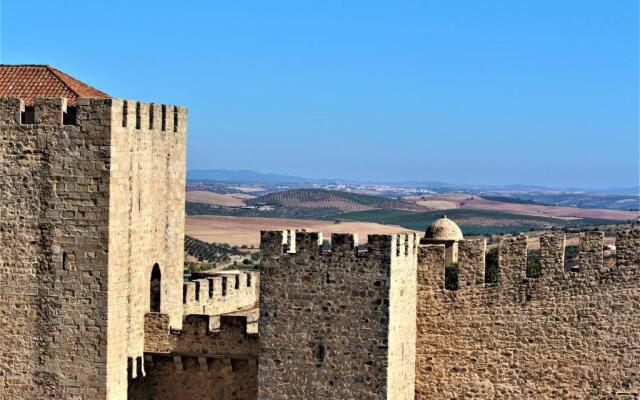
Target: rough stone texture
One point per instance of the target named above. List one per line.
(627, 245)
(201, 334)
(431, 263)
(221, 293)
(146, 225)
(337, 324)
(54, 213)
(552, 252)
(565, 335)
(430, 277)
(198, 362)
(512, 259)
(195, 377)
(471, 261)
(592, 251)
(87, 209)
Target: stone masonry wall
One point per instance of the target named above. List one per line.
(326, 317)
(213, 358)
(54, 209)
(222, 292)
(146, 227)
(87, 209)
(564, 335)
(402, 319)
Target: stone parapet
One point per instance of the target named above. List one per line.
(221, 292)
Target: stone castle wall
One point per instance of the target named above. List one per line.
(88, 205)
(54, 211)
(146, 226)
(561, 335)
(209, 358)
(221, 292)
(326, 317)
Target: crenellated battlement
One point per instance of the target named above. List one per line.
(206, 351)
(54, 111)
(317, 302)
(221, 292)
(133, 114)
(91, 113)
(200, 334)
(554, 331)
(513, 258)
(276, 244)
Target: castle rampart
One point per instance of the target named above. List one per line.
(564, 334)
(209, 358)
(221, 293)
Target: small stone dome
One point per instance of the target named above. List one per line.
(443, 229)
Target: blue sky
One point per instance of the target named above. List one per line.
(487, 92)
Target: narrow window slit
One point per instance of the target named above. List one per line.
(155, 289)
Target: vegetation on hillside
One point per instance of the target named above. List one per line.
(471, 221)
(512, 200)
(277, 212)
(534, 267)
(209, 252)
(330, 199)
(304, 203)
(492, 271)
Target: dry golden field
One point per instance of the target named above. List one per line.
(246, 230)
(217, 199)
(450, 201)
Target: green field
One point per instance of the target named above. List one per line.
(471, 221)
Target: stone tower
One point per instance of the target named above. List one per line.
(337, 324)
(92, 207)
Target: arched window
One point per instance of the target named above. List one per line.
(154, 291)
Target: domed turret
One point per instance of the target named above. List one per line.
(443, 229)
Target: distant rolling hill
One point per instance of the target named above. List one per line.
(337, 206)
(306, 203)
(331, 199)
(241, 176)
(471, 221)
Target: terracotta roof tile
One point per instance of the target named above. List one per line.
(30, 81)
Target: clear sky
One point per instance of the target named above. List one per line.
(488, 92)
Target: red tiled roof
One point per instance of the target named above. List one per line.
(30, 81)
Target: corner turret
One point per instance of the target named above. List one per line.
(444, 231)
